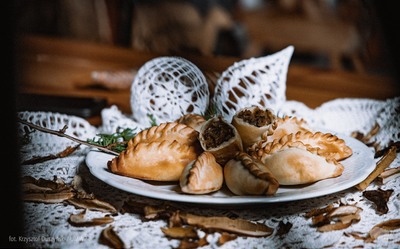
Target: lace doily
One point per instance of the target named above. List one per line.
(46, 225)
(113, 118)
(167, 88)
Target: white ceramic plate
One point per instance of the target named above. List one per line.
(357, 168)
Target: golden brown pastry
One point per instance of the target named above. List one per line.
(284, 126)
(245, 175)
(193, 120)
(294, 163)
(166, 131)
(157, 161)
(251, 123)
(220, 138)
(202, 176)
(328, 145)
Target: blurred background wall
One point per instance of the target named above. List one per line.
(333, 34)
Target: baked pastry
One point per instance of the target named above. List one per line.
(245, 175)
(193, 120)
(171, 131)
(284, 126)
(328, 145)
(293, 163)
(202, 176)
(156, 161)
(220, 138)
(251, 123)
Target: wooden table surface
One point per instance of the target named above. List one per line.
(63, 67)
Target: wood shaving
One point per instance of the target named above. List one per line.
(388, 175)
(110, 238)
(332, 218)
(383, 228)
(93, 204)
(381, 165)
(81, 220)
(184, 232)
(46, 191)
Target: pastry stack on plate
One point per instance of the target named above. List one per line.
(253, 155)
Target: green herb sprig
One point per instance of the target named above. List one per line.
(210, 112)
(117, 141)
(153, 121)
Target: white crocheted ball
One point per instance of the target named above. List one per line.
(167, 88)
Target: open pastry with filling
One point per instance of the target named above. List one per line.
(202, 176)
(293, 163)
(220, 138)
(157, 161)
(245, 175)
(251, 123)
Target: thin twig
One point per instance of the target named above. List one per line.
(68, 151)
(62, 134)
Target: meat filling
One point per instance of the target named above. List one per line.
(257, 118)
(217, 133)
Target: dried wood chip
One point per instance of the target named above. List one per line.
(332, 227)
(376, 231)
(48, 197)
(388, 175)
(226, 237)
(92, 204)
(334, 218)
(344, 214)
(55, 184)
(192, 244)
(175, 219)
(81, 220)
(343, 210)
(238, 226)
(383, 228)
(349, 218)
(45, 191)
(355, 235)
(318, 211)
(149, 212)
(320, 220)
(110, 238)
(156, 212)
(187, 232)
(381, 165)
(380, 198)
(365, 138)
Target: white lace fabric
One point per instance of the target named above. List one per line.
(46, 225)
